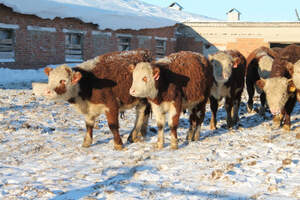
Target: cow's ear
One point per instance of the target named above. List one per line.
(261, 83)
(76, 77)
(236, 62)
(47, 70)
(291, 86)
(156, 73)
(69, 71)
(131, 68)
(290, 68)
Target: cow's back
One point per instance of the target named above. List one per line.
(290, 54)
(114, 67)
(197, 69)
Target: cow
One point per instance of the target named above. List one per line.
(172, 84)
(259, 65)
(229, 76)
(280, 88)
(101, 86)
(296, 78)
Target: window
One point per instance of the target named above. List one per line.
(160, 48)
(281, 45)
(7, 52)
(73, 47)
(124, 43)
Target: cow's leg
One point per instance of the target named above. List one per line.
(250, 91)
(277, 119)
(140, 122)
(262, 109)
(113, 124)
(214, 108)
(200, 118)
(235, 110)
(173, 122)
(147, 112)
(289, 106)
(193, 125)
(89, 123)
(160, 120)
(228, 108)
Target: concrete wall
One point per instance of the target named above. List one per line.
(243, 36)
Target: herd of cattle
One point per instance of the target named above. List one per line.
(114, 82)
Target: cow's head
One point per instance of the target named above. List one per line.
(265, 66)
(62, 83)
(277, 90)
(296, 74)
(144, 76)
(222, 65)
(296, 78)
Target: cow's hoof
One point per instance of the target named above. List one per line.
(87, 143)
(118, 147)
(159, 146)
(250, 108)
(286, 127)
(174, 145)
(189, 138)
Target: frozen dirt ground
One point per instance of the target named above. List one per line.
(41, 157)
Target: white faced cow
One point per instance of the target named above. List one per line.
(101, 86)
(229, 72)
(281, 87)
(180, 81)
(259, 65)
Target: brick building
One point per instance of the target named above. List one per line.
(28, 41)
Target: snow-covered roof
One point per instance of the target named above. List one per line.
(112, 14)
(234, 10)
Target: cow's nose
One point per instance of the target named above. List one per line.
(275, 112)
(47, 91)
(132, 91)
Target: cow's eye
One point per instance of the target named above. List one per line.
(62, 81)
(145, 79)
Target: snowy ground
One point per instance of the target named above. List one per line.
(41, 157)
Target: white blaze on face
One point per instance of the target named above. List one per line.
(222, 66)
(143, 83)
(296, 75)
(60, 85)
(277, 94)
(265, 66)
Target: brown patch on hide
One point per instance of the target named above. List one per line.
(61, 89)
(188, 74)
(260, 83)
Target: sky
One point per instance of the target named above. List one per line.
(252, 10)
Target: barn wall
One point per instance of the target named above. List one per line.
(243, 36)
(39, 42)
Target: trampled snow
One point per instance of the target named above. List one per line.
(112, 14)
(41, 155)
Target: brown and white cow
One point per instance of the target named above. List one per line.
(179, 81)
(101, 86)
(280, 88)
(229, 77)
(259, 65)
(296, 78)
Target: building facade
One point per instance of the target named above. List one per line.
(27, 41)
(243, 36)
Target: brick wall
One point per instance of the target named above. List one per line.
(39, 42)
